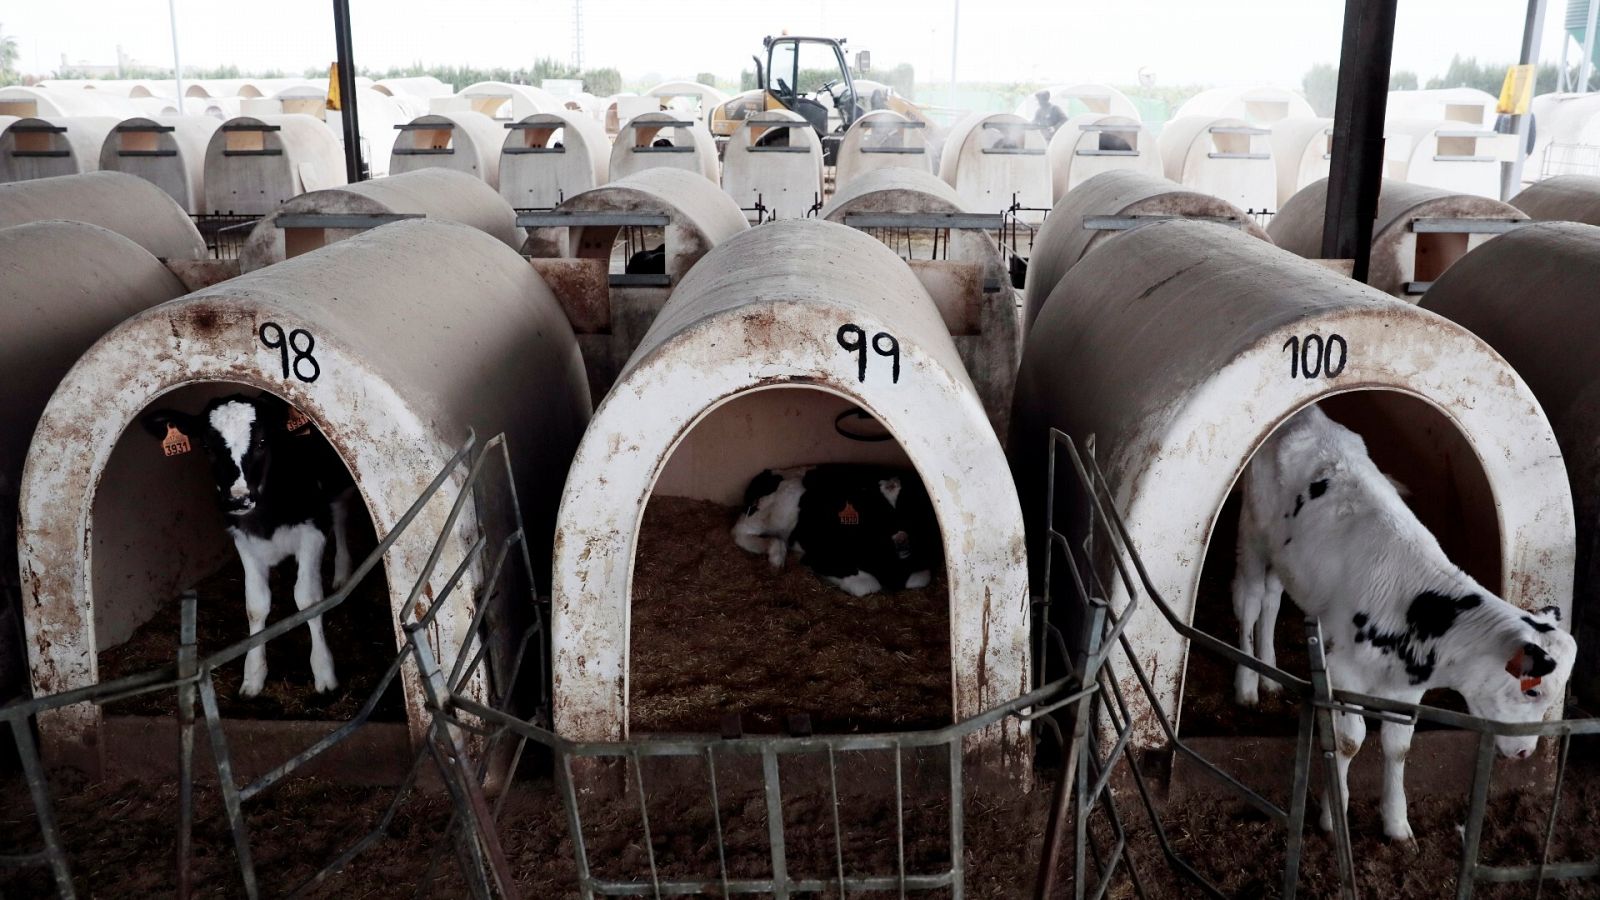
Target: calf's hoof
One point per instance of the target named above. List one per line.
(252, 687)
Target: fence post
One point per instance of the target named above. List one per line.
(1322, 701)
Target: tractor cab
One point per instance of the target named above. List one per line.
(810, 76)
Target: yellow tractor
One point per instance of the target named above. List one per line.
(809, 76)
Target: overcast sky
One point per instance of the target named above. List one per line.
(1181, 41)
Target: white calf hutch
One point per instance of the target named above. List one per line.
(255, 163)
(1453, 156)
(1567, 136)
(996, 160)
(660, 140)
(1228, 157)
(37, 102)
(1181, 346)
(1090, 144)
(50, 313)
(689, 97)
(745, 369)
(774, 159)
(44, 148)
(130, 206)
(169, 152)
(1530, 296)
(506, 102)
(1080, 100)
(1259, 105)
(1418, 233)
(549, 157)
(1564, 198)
(110, 529)
(1460, 104)
(1302, 150)
(915, 213)
(881, 139)
(1105, 206)
(319, 218)
(466, 142)
(583, 248)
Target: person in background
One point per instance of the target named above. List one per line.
(1048, 116)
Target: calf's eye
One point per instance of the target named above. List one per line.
(1531, 692)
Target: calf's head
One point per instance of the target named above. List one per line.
(236, 432)
(1524, 679)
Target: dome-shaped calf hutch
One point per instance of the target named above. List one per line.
(45, 148)
(1564, 198)
(169, 152)
(1226, 157)
(255, 163)
(549, 157)
(130, 206)
(954, 254)
(1258, 105)
(1302, 150)
(1107, 205)
(746, 369)
(319, 218)
(881, 139)
(355, 337)
(1088, 145)
(506, 102)
(1452, 156)
(1081, 99)
(1418, 233)
(660, 140)
(466, 142)
(1530, 295)
(774, 159)
(50, 314)
(1179, 347)
(996, 160)
(691, 97)
(614, 255)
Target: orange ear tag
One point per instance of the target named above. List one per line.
(1531, 682)
(849, 516)
(296, 420)
(175, 443)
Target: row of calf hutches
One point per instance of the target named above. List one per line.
(1170, 344)
(548, 157)
(774, 160)
(881, 139)
(389, 382)
(254, 163)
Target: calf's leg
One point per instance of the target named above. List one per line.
(341, 539)
(257, 603)
(1396, 740)
(1249, 588)
(308, 592)
(1267, 626)
(1350, 730)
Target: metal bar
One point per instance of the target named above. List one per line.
(1473, 833)
(1125, 222)
(426, 126)
(560, 219)
(580, 852)
(423, 151)
(1442, 225)
(38, 129)
(342, 220)
(519, 151)
(774, 793)
(644, 821)
(716, 815)
(762, 148)
(1586, 67)
(1238, 129)
(627, 279)
(44, 810)
(1106, 153)
(838, 837)
(230, 792)
(143, 129)
(905, 150)
(959, 221)
(249, 126)
(267, 152)
(1013, 151)
(187, 669)
(672, 149)
(1439, 157)
(129, 154)
(890, 124)
(1335, 797)
(1356, 170)
(1299, 787)
(41, 154)
(900, 820)
(1239, 155)
(658, 123)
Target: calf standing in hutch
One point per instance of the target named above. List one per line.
(282, 489)
(1398, 618)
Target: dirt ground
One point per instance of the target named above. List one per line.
(717, 632)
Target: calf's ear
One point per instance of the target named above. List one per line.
(1553, 612)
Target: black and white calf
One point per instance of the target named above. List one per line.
(282, 492)
(861, 528)
(1398, 618)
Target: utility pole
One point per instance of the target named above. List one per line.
(354, 169)
(955, 42)
(177, 65)
(1532, 32)
(1588, 49)
(577, 37)
(1356, 172)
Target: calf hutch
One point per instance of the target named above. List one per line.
(1453, 156)
(1259, 105)
(774, 159)
(690, 97)
(1302, 150)
(319, 218)
(50, 313)
(44, 103)
(1104, 206)
(661, 140)
(169, 152)
(1564, 198)
(130, 206)
(355, 338)
(467, 142)
(549, 157)
(1180, 346)
(881, 139)
(506, 102)
(1080, 100)
(997, 161)
(1418, 233)
(44, 148)
(255, 163)
(954, 254)
(1530, 296)
(754, 363)
(1227, 157)
(614, 255)
(1090, 144)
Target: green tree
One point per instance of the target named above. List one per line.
(8, 59)
(1321, 86)
(706, 78)
(602, 82)
(1403, 81)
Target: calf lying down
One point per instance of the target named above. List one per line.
(861, 528)
(1323, 526)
